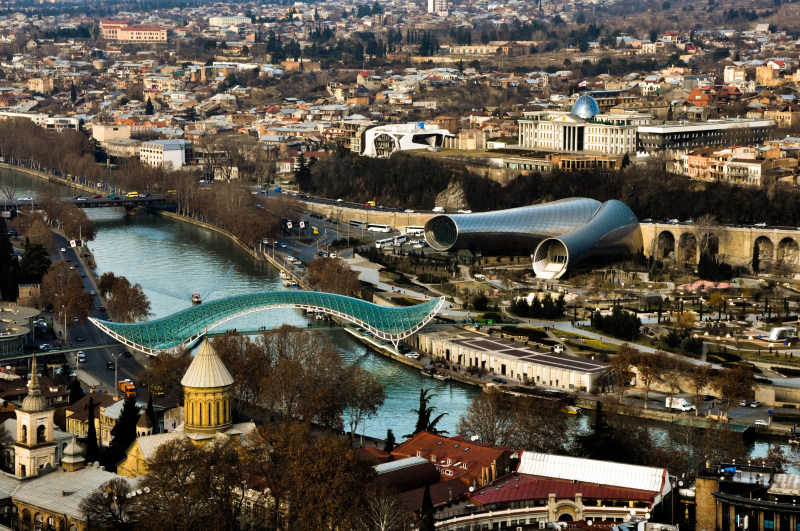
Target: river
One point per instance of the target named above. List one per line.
(171, 260)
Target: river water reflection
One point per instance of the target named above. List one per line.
(172, 260)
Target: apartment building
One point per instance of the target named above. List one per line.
(171, 154)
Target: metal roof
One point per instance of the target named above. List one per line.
(646, 478)
(206, 370)
(186, 326)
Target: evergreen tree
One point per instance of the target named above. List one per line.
(148, 108)
(73, 93)
(8, 266)
(426, 520)
(389, 441)
(756, 259)
(124, 433)
(92, 450)
(151, 413)
(75, 391)
(34, 264)
(599, 442)
(424, 422)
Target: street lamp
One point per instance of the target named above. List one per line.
(116, 366)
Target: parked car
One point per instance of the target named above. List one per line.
(759, 422)
(412, 355)
(499, 380)
(756, 404)
(81, 356)
(744, 403)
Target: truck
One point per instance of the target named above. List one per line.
(126, 387)
(681, 404)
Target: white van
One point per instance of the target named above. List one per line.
(438, 209)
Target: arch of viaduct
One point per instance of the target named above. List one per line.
(735, 245)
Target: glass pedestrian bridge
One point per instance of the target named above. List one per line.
(183, 328)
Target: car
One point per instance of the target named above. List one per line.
(83, 275)
(97, 196)
(409, 211)
(282, 245)
(744, 403)
(93, 292)
(81, 356)
(759, 422)
(76, 319)
(127, 353)
(110, 365)
(329, 220)
(79, 338)
(756, 404)
(80, 198)
(465, 211)
(112, 196)
(45, 346)
(63, 249)
(102, 308)
(499, 380)
(647, 220)
(69, 260)
(418, 246)
(338, 200)
(25, 199)
(412, 355)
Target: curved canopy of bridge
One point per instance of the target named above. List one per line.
(184, 327)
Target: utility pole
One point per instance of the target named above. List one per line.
(116, 366)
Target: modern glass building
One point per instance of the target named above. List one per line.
(555, 234)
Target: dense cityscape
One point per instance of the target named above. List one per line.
(396, 266)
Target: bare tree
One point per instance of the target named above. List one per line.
(111, 506)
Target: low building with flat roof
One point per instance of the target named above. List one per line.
(512, 360)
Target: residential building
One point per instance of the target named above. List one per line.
(227, 21)
(171, 154)
(41, 84)
(437, 6)
(456, 459)
(77, 416)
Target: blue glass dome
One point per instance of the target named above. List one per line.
(585, 107)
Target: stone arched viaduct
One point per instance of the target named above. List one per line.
(734, 245)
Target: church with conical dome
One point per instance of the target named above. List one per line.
(34, 444)
(207, 387)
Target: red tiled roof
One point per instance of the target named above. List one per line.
(518, 487)
(467, 459)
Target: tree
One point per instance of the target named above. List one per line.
(424, 412)
(390, 441)
(365, 395)
(126, 303)
(124, 432)
(73, 93)
(620, 369)
(756, 258)
(480, 302)
(150, 411)
(92, 450)
(75, 391)
(734, 384)
(8, 265)
(383, 510)
(34, 264)
(427, 521)
(333, 276)
(62, 291)
(111, 506)
(148, 108)
(699, 377)
(648, 369)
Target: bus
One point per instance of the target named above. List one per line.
(374, 227)
(415, 230)
(400, 240)
(383, 244)
(358, 224)
(314, 230)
